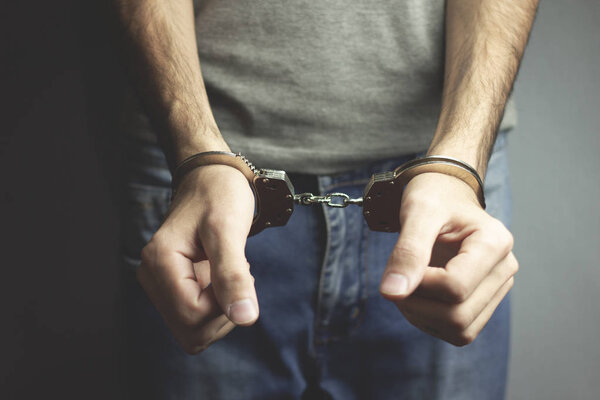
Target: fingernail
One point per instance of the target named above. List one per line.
(242, 312)
(394, 284)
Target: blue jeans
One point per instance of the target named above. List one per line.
(324, 331)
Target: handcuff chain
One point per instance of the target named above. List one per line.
(307, 199)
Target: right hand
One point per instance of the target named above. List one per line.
(194, 268)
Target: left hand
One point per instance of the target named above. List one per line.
(452, 264)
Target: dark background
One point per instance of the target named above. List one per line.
(60, 164)
(59, 211)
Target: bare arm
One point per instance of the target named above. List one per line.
(194, 268)
(485, 40)
(159, 46)
(442, 222)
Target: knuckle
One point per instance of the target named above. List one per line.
(498, 236)
(149, 252)
(513, 266)
(509, 267)
(456, 291)
(506, 240)
(463, 339)
(156, 249)
(460, 319)
(510, 283)
(153, 255)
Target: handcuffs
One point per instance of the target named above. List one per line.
(275, 196)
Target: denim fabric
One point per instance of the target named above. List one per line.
(324, 331)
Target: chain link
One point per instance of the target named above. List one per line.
(328, 199)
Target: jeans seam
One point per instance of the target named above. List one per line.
(362, 300)
(317, 326)
(367, 233)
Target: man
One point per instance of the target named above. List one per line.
(330, 92)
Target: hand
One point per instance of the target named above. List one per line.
(452, 264)
(194, 269)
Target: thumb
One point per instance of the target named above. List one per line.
(411, 255)
(230, 275)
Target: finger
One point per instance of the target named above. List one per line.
(227, 327)
(468, 335)
(190, 311)
(454, 318)
(202, 273)
(411, 254)
(442, 252)
(480, 252)
(224, 244)
(212, 325)
(197, 340)
(208, 333)
(171, 285)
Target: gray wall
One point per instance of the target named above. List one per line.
(555, 165)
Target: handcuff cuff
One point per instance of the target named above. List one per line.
(275, 196)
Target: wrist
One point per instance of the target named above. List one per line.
(470, 153)
(198, 143)
(445, 188)
(471, 145)
(208, 158)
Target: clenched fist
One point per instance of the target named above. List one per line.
(452, 264)
(194, 269)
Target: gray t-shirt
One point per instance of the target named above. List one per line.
(321, 86)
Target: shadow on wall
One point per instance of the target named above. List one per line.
(60, 168)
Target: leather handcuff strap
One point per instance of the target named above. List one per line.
(275, 197)
(212, 157)
(447, 166)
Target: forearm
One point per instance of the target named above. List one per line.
(159, 47)
(485, 40)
